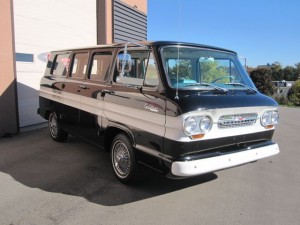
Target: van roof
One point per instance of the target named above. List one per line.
(148, 44)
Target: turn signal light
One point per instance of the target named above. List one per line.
(197, 136)
(269, 126)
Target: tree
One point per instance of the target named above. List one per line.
(297, 65)
(262, 79)
(183, 67)
(294, 94)
(211, 71)
(250, 69)
(289, 73)
(277, 71)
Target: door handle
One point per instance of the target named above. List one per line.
(105, 91)
(83, 87)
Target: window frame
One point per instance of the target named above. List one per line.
(145, 86)
(52, 70)
(107, 76)
(71, 64)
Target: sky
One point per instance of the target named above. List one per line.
(262, 31)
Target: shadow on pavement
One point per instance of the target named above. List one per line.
(79, 169)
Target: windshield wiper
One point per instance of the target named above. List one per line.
(243, 85)
(208, 85)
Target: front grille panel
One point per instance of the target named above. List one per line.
(237, 120)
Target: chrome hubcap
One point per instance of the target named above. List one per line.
(121, 159)
(53, 125)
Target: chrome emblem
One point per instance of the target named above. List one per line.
(151, 107)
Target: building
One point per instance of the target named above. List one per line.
(31, 29)
(282, 88)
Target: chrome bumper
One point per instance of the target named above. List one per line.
(206, 165)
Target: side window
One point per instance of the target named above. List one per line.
(143, 70)
(100, 66)
(60, 65)
(137, 68)
(79, 65)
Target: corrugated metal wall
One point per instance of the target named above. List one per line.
(129, 24)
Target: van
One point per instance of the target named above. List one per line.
(181, 109)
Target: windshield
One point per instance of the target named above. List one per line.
(191, 67)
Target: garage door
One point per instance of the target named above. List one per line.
(28, 79)
(40, 27)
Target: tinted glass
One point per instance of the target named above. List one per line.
(191, 67)
(100, 66)
(60, 65)
(79, 65)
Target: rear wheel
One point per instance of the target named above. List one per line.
(123, 159)
(56, 132)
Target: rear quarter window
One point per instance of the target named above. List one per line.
(60, 64)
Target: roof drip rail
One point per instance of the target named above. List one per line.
(134, 43)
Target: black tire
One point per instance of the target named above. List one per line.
(123, 160)
(56, 132)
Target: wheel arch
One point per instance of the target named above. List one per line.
(47, 113)
(113, 130)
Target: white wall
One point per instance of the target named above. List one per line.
(40, 27)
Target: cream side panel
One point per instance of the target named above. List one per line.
(141, 119)
(93, 105)
(51, 94)
(71, 100)
(62, 97)
(149, 121)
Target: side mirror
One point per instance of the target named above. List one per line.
(124, 63)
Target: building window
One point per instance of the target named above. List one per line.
(24, 57)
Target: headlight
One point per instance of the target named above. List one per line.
(269, 118)
(197, 125)
(205, 124)
(190, 126)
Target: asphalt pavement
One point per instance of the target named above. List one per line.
(43, 182)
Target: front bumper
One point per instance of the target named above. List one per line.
(206, 165)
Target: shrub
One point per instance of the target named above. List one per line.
(282, 100)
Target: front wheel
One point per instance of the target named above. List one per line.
(123, 159)
(56, 132)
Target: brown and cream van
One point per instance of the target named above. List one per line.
(182, 109)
